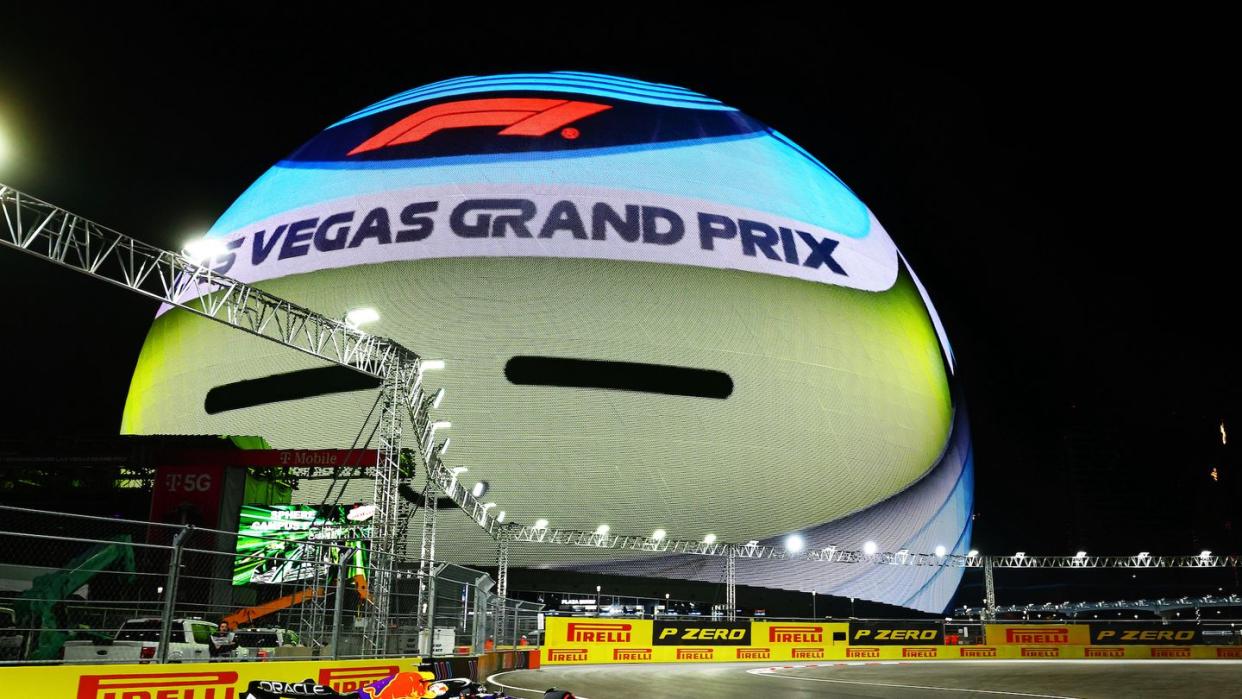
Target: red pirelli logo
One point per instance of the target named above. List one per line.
(1041, 652)
(918, 652)
(754, 653)
(566, 655)
(1052, 634)
(1170, 652)
(523, 116)
(1229, 652)
(795, 634)
(1103, 652)
(164, 685)
(807, 653)
(580, 632)
(862, 652)
(631, 654)
(351, 679)
(695, 653)
(979, 652)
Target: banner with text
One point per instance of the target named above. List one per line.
(1037, 634)
(897, 633)
(391, 678)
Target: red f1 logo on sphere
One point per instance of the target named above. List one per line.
(524, 116)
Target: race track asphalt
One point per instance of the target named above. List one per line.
(1046, 679)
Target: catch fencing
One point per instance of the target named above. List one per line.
(77, 588)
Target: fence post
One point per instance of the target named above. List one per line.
(430, 582)
(338, 606)
(170, 590)
(517, 613)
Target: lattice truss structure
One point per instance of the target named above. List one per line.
(46, 231)
(1159, 605)
(53, 234)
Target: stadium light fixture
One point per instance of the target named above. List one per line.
(487, 506)
(445, 444)
(1080, 554)
(972, 553)
(940, 551)
(438, 399)
(659, 534)
(431, 432)
(602, 529)
(1020, 554)
(869, 548)
(202, 250)
(432, 364)
(480, 488)
(794, 543)
(1144, 554)
(541, 524)
(359, 316)
(752, 542)
(709, 539)
(458, 469)
(501, 517)
(1205, 554)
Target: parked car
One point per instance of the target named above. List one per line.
(138, 641)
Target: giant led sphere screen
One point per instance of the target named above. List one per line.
(655, 312)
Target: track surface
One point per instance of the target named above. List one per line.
(943, 680)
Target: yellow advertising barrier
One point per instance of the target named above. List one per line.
(1038, 634)
(577, 640)
(1018, 652)
(191, 680)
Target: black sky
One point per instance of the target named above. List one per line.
(1059, 182)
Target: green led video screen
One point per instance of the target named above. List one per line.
(301, 543)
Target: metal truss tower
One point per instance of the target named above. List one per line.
(46, 231)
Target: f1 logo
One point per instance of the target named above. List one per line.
(523, 116)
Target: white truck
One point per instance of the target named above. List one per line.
(138, 640)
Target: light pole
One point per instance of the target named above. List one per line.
(851, 607)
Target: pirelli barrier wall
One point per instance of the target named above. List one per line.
(385, 678)
(589, 641)
(203, 680)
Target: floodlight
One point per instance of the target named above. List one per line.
(358, 316)
(203, 250)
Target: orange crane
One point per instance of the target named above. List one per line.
(247, 615)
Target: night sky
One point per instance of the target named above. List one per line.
(1058, 182)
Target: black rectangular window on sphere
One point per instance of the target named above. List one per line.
(618, 376)
(293, 385)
